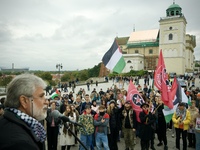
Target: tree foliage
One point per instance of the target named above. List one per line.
(5, 80)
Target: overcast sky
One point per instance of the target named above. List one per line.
(42, 33)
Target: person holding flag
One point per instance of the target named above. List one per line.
(136, 100)
(162, 126)
(181, 119)
(161, 82)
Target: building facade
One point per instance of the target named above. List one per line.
(141, 49)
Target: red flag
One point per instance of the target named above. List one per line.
(162, 83)
(135, 98)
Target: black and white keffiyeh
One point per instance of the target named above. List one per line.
(36, 126)
(181, 113)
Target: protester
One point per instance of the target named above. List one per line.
(94, 106)
(101, 122)
(87, 101)
(66, 137)
(114, 124)
(52, 127)
(25, 106)
(181, 119)
(129, 125)
(145, 132)
(161, 126)
(154, 125)
(191, 135)
(197, 130)
(86, 120)
(78, 104)
(64, 104)
(77, 116)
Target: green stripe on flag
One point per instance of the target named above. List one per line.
(168, 118)
(120, 65)
(53, 95)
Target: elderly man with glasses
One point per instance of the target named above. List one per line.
(25, 106)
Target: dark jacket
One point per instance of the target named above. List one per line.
(146, 130)
(15, 134)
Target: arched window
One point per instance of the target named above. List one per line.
(172, 13)
(128, 61)
(170, 28)
(170, 36)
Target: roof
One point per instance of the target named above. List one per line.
(174, 6)
(122, 40)
(144, 36)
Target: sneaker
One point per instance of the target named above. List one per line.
(159, 144)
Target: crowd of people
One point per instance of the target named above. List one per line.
(102, 117)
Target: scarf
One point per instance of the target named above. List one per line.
(181, 113)
(35, 125)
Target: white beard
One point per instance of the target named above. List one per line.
(39, 114)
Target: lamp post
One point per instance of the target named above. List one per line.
(59, 66)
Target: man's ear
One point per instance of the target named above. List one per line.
(24, 101)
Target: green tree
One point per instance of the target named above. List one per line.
(46, 76)
(94, 72)
(66, 77)
(83, 75)
(5, 80)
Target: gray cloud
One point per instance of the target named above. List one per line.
(39, 34)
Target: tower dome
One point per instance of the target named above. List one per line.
(173, 10)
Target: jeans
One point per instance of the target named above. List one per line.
(86, 140)
(197, 134)
(102, 138)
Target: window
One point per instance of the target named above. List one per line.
(128, 61)
(170, 36)
(172, 13)
(136, 51)
(150, 51)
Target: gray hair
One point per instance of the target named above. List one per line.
(24, 84)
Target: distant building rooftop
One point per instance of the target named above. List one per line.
(14, 69)
(144, 36)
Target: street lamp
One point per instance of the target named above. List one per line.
(59, 66)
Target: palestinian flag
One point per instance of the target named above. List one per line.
(54, 94)
(113, 58)
(179, 97)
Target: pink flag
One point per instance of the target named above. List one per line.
(162, 83)
(135, 98)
